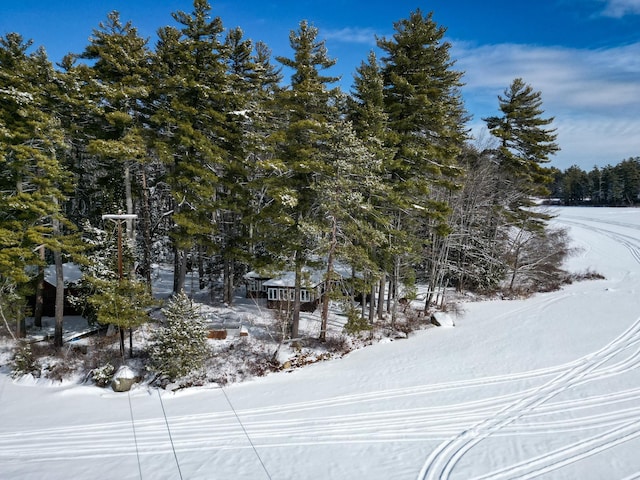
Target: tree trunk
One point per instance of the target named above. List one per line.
(372, 301)
(131, 233)
(295, 320)
(146, 232)
(180, 270)
(228, 281)
(201, 273)
(396, 283)
(21, 327)
(328, 282)
(383, 283)
(39, 304)
(59, 308)
(516, 265)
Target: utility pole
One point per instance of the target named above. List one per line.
(118, 219)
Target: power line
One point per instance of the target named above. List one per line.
(135, 438)
(166, 421)
(246, 434)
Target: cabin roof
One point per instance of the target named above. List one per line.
(312, 278)
(71, 272)
(253, 275)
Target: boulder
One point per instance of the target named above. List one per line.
(442, 319)
(124, 379)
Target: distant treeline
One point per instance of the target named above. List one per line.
(616, 186)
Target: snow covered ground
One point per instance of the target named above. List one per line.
(547, 387)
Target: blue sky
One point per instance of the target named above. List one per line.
(583, 55)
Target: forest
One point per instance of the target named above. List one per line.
(613, 186)
(198, 152)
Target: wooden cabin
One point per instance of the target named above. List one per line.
(72, 276)
(281, 291)
(254, 284)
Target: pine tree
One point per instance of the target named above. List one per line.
(347, 195)
(113, 294)
(367, 111)
(190, 98)
(426, 120)
(307, 106)
(120, 73)
(33, 182)
(260, 121)
(525, 143)
(367, 103)
(179, 347)
(234, 193)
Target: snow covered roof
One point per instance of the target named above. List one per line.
(312, 276)
(253, 275)
(70, 271)
(288, 279)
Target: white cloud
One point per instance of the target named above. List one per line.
(620, 8)
(594, 95)
(365, 36)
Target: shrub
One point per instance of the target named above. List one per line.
(179, 347)
(338, 344)
(24, 361)
(355, 323)
(102, 376)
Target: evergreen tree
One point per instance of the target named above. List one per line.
(575, 186)
(629, 171)
(366, 109)
(33, 182)
(179, 347)
(426, 121)
(307, 107)
(190, 98)
(259, 123)
(525, 143)
(113, 293)
(347, 195)
(366, 104)
(234, 193)
(120, 71)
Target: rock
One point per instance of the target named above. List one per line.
(124, 379)
(442, 319)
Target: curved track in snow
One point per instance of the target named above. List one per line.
(615, 358)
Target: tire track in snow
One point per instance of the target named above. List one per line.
(442, 461)
(632, 243)
(579, 220)
(220, 431)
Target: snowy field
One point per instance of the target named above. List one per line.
(547, 387)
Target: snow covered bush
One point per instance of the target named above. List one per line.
(103, 375)
(179, 347)
(24, 361)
